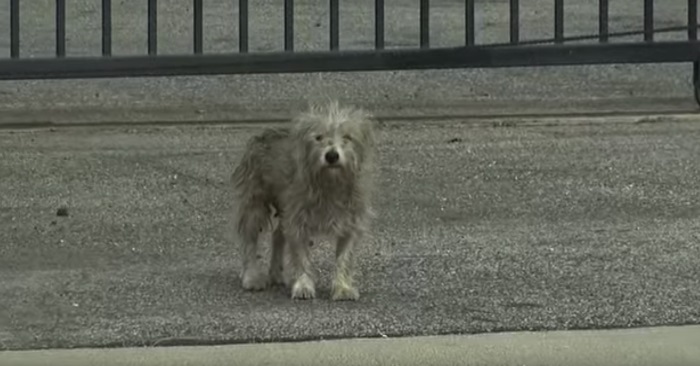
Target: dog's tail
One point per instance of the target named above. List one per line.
(247, 186)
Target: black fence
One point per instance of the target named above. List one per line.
(552, 51)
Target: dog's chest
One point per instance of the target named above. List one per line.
(330, 218)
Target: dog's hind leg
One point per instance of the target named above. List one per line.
(251, 222)
(277, 258)
(343, 287)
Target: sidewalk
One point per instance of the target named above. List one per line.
(671, 346)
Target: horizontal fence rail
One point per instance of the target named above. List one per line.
(514, 52)
(298, 62)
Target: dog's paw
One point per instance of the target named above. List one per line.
(255, 279)
(303, 289)
(344, 293)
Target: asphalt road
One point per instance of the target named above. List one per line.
(481, 228)
(554, 90)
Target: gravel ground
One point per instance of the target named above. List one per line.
(482, 228)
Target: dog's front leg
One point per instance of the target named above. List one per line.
(343, 283)
(299, 266)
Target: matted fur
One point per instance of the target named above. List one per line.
(317, 177)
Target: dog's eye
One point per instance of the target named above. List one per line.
(347, 138)
(319, 137)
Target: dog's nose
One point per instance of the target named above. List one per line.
(332, 157)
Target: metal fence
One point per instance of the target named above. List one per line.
(515, 52)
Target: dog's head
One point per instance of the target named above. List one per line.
(334, 140)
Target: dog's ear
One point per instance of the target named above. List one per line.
(300, 127)
(366, 122)
(299, 134)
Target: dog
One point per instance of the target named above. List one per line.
(316, 176)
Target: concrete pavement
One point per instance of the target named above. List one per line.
(633, 347)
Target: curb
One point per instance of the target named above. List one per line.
(633, 347)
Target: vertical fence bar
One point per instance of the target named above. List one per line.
(14, 28)
(198, 26)
(106, 27)
(603, 21)
(693, 36)
(514, 21)
(696, 81)
(152, 27)
(469, 22)
(243, 26)
(424, 23)
(60, 28)
(335, 25)
(693, 20)
(379, 24)
(648, 20)
(558, 21)
(289, 25)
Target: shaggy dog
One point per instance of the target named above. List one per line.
(317, 177)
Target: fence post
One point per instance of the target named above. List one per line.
(106, 27)
(693, 36)
(469, 22)
(243, 26)
(603, 21)
(424, 23)
(14, 28)
(514, 21)
(379, 24)
(289, 25)
(152, 27)
(335, 25)
(60, 28)
(198, 26)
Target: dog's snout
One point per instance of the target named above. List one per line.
(332, 157)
